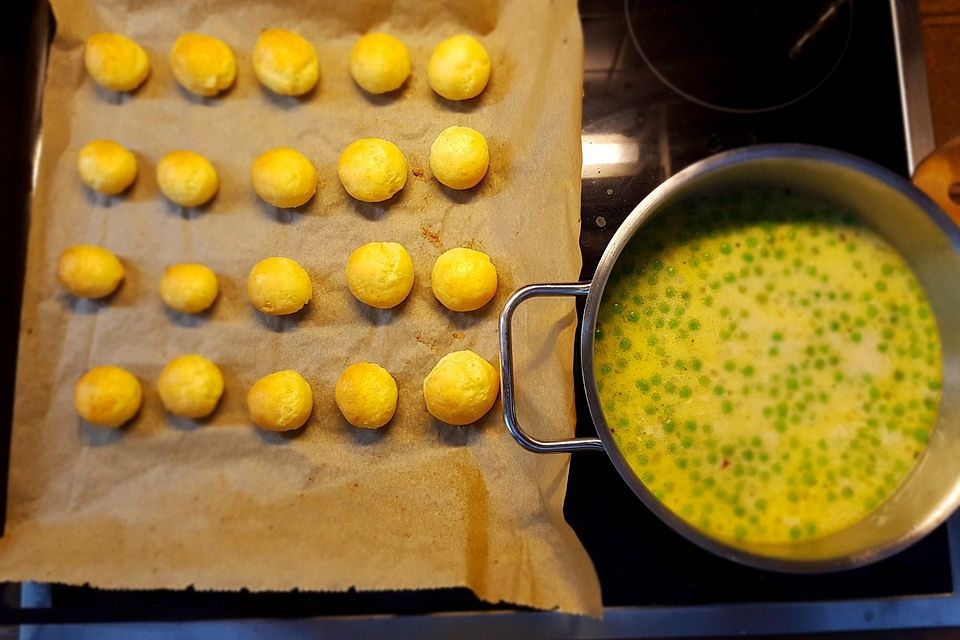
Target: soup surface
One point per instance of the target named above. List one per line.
(769, 367)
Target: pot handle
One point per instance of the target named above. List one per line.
(506, 370)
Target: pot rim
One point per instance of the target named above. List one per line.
(645, 211)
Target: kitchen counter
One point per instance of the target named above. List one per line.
(940, 25)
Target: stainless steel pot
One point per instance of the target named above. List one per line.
(913, 224)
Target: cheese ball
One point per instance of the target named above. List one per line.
(285, 62)
(89, 272)
(115, 61)
(106, 166)
(189, 287)
(366, 394)
(202, 64)
(187, 178)
(372, 170)
(459, 157)
(107, 396)
(281, 401)
(463, 279)
(380, 274)
(461, 388)
(190, 386)
(284, 178)
(379, 63)
(279, 286)
(459, 68)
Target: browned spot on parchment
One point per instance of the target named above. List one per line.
(459, 335)
(431, 235)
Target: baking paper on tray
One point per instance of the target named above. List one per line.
(220, 504)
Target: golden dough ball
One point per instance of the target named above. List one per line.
(372, 170)
(366, 394)
(89, 272)
(379, 63)
(380, 274)
(107, 396)
(190, 386)
(115, 61)
(463, 279)
(459, 68)
(461, 388)
(284, 178)
(187, 178)
(285, 62)
(279, 286)
(281, 401)
(106, 166)
(459, 157)
(189, 287)
(203, 64)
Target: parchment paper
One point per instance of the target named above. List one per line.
(219, 504)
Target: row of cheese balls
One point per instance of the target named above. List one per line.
(370, 169)
(459, 390)
(286, 63)
(379, 274)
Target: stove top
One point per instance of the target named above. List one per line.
(667, 82)
(637, 130)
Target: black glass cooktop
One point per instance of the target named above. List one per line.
(667, 82)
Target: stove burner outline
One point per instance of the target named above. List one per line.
(795, 50)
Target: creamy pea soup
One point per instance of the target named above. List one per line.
(769, 367)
